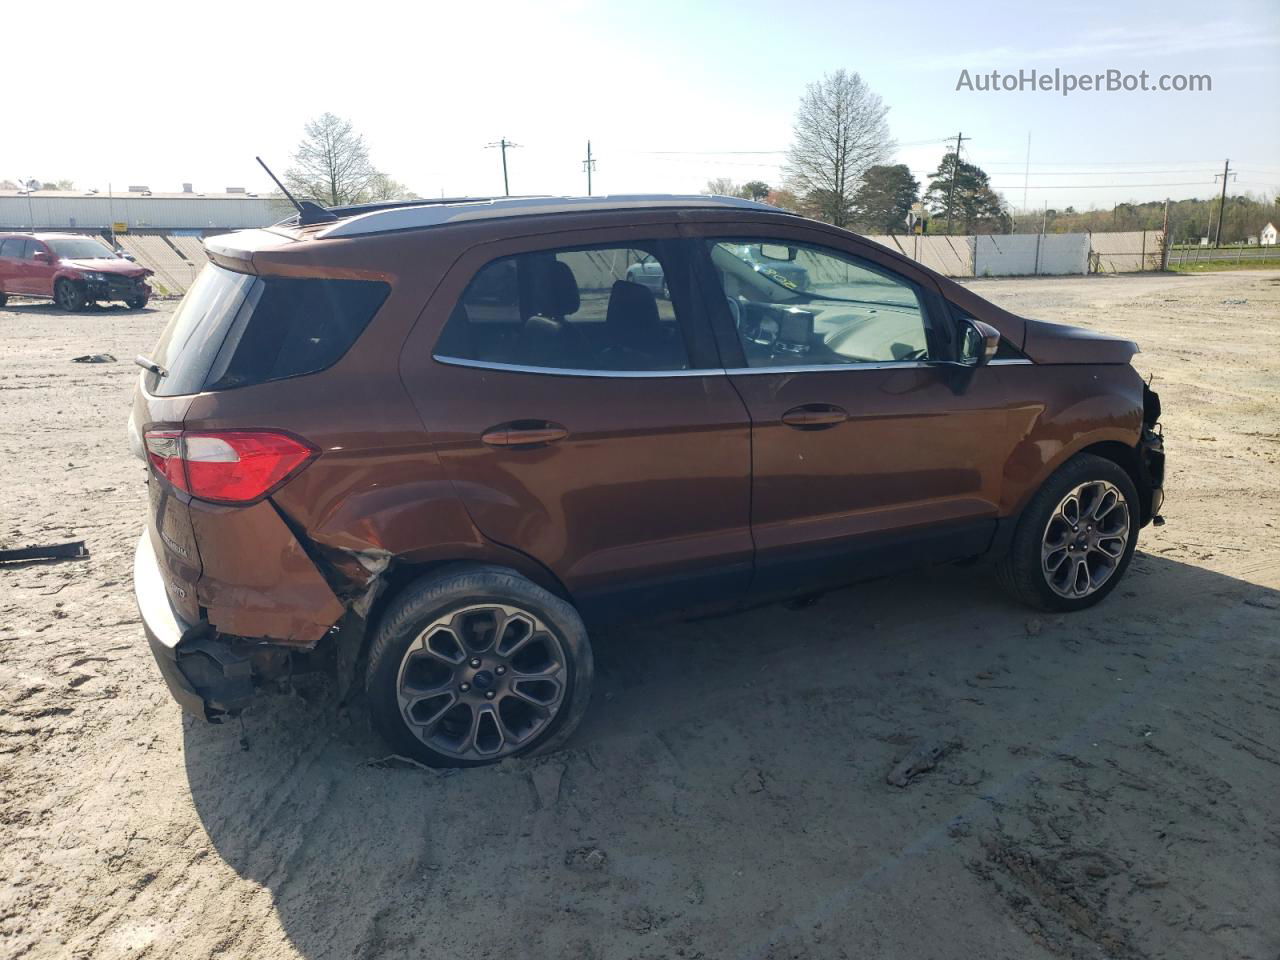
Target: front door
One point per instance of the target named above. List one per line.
(39, 268)
(585, 421)
(874, 449)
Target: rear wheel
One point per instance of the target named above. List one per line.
(475, 665)
(69, 296)
(1075, 538)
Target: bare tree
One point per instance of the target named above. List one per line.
(721, 187)
(332, 164)
(840, 131)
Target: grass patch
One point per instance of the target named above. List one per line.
(1217, 266)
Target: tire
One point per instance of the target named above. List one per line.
(429, 701)
(136, 303)
(4, 298)
(1043, 565)
(69, 296)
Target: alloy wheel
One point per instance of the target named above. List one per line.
(480, 682)
(1085, 539)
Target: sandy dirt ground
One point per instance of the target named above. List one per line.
(1113, 791)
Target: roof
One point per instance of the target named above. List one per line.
(433, 214)
(136, 195)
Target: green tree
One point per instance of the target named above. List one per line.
(840, 131)
(974, 206)
(755, 190)
(883, 201)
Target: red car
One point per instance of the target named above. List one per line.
(71, 269)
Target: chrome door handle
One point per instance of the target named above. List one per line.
(524, 433)
(814, 416)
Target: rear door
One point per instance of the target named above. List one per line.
(873, 448)
(15, 264)
(586, 421)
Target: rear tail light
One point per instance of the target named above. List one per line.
(226, 466)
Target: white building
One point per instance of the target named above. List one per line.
(137, 209)
(1267, 236)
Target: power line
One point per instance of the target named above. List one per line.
(1100, 186)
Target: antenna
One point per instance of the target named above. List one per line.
(309, 212)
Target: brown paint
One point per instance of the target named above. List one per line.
(590, 485)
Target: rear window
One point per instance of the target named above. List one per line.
(235, 330)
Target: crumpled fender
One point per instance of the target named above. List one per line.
(258, 580)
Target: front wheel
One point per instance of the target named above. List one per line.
(4, 298)
(1075, 538)
(475, 665)
(69, 296)
(136, 303)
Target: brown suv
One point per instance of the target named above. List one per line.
(434, 439)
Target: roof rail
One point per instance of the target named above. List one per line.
(414, 214)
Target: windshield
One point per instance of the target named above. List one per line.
(81, 249)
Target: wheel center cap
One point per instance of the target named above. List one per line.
(483, 680)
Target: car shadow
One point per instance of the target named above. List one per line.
(728, 780)
(49, 308)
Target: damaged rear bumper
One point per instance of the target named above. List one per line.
(204, 674)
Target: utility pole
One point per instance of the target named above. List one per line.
(588, 165)
(503, 144)
(29, 186)
(1164, 242)
(1026, 177)
(955, 171)
(1222, 202)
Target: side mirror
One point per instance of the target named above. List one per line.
(981, 341)
(42, 256)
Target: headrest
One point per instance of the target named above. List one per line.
(550, 288)
(632, 308)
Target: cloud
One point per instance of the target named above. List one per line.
(1116, 42)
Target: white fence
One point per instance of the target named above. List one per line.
(1033, 254)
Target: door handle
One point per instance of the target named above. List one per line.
(524, 433)
(814, 416)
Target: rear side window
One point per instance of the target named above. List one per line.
(13, 247)
(596, 308)
(235, 330)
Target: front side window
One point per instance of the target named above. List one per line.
(797, 304)
(591, 309)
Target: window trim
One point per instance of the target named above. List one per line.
(720, 371)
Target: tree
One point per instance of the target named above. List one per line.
(883, 201)
(384, 188)
(783, 199)
(840, 131)
(755, 190)
(332, 166)
(975, 206)
(722, 187)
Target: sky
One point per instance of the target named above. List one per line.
(671, 95)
